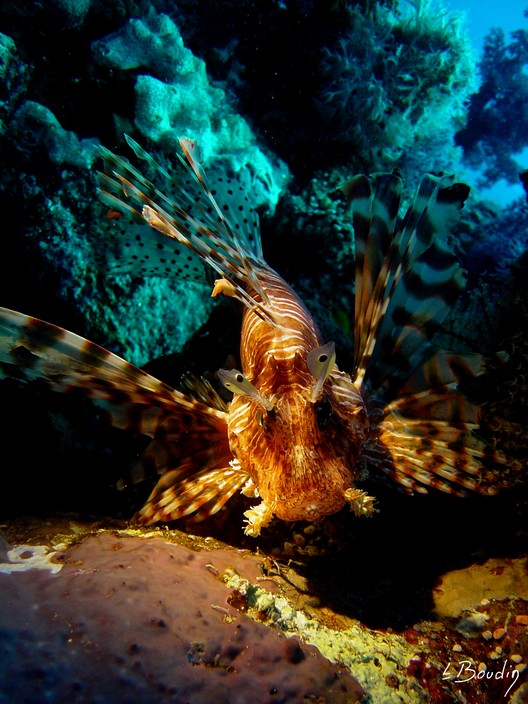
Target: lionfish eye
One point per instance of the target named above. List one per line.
(236, 382)
(323, 412)
(320, 362)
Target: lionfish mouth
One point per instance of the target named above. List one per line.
(308, 508)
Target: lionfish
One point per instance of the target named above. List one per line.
(298, 432)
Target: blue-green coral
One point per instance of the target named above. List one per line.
(397, 80)
(50, 163)
(175, 98)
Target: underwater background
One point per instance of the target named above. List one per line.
(292, 98)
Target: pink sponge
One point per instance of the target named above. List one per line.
(145, 621)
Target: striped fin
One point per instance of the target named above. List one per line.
(407, 278)
(374, 222)
(204, 493)
(186, 431)
(425, 430)
(215, 223)
(429, 440)
(33, 349)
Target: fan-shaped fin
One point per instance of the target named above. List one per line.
(407, 278)
(187, 430)
(204, 493)
(429, 440)
(424, 429)
(214, 221)
(129, 247)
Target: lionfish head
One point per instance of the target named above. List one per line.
(299, 444)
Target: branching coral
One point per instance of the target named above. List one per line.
(498, 115)
(395, 80)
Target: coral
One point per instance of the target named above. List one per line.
(58, 249)
(397, 82)
(145, 620)
(21, 558)
(34, 128)
(269, 55)
(63, 14)
(69, 13)
(503, 239)
(166, 616)
(14, 77)
(492, 244)
(363, 651)
(177, 99)
(498, 112)
(152, 43)
(464, 589)
(50, 159)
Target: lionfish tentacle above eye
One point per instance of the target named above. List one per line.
(187, 434)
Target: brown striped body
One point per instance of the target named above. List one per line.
(301, 455)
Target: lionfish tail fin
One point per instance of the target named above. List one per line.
(187, 430)
(407, 277)
(211, 218)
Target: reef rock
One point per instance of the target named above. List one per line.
(147, 620)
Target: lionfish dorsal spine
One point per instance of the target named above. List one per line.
(216, 223)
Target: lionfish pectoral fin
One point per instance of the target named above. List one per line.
(257, 518)
(212, 218)
(407, 277)
(32, 349)
(187, 429)
(203, 494)
(360, 502)
(429, 440)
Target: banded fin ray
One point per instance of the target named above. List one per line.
(215, 223)
(374, 220)
(430, 440)
(407, 278)
(425, 430)
(65, 361)
(186, 432)
(203, 494)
